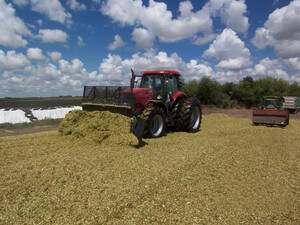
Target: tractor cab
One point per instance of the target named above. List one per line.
(271, 102)
(163, 83)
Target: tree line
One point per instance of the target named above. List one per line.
(247, 93)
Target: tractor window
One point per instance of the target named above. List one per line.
(271, 103)
(153, 82)
(147, 82)
(137, 82)
(171, 84)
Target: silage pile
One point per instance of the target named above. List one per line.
(99, 126)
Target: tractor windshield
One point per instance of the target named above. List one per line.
(154, 82)
(171, 84)
(271, 103)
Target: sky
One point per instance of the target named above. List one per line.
(54, 48)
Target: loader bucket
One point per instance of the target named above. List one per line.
(270, 117)
(124, 110)
(137, 128)
(116, 99)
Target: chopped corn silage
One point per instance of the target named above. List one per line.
(99, 126)
(230, 172)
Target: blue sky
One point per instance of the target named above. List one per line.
(51, 48)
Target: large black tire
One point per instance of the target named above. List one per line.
(189, 115)
(155, 122)
(292, 111)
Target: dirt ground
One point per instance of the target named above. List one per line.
(238, 113)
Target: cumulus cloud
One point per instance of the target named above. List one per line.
(281, 31)
(40, 22)
(233, 64)
(262, 38)
(52, 9)
(74, 5)
(55, 56)
(201, 40)
(158, 20)
(20, 3)
(50, 36)
(35, 54)
(75, 67)
(118, 43)
(230, 50)
(143, 38)
(65, 77)
(269, 68)
(12, 28)
(47, 79)
(48, 72)
(115, 70)
(12, 61)
(80, 41)
(232, 13)
(293, 64)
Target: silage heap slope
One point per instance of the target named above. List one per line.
(98, 126)
(229, 172)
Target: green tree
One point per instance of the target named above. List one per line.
(294, 89)
(191, 88)
(248, 92)
(244, 92)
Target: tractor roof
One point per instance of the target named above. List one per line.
(161, 72)
(271, 97)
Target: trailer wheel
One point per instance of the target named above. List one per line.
(189, 115)
(155, 122)
(292, 111)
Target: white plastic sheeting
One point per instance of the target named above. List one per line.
(58, 113)
(18, 116)
(13, 116)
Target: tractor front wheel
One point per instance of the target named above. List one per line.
(155, 122)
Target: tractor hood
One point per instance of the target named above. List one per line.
(137, 91)
(142, 97)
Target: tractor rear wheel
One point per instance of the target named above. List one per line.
(155, 122)
(189, 115)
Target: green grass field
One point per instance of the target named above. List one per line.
(45, 122)
(39, 102)
(228, 173)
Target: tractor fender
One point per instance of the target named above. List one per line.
(176, 98)
(160, 104)
(178, 94)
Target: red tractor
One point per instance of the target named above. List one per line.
(153, 99)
